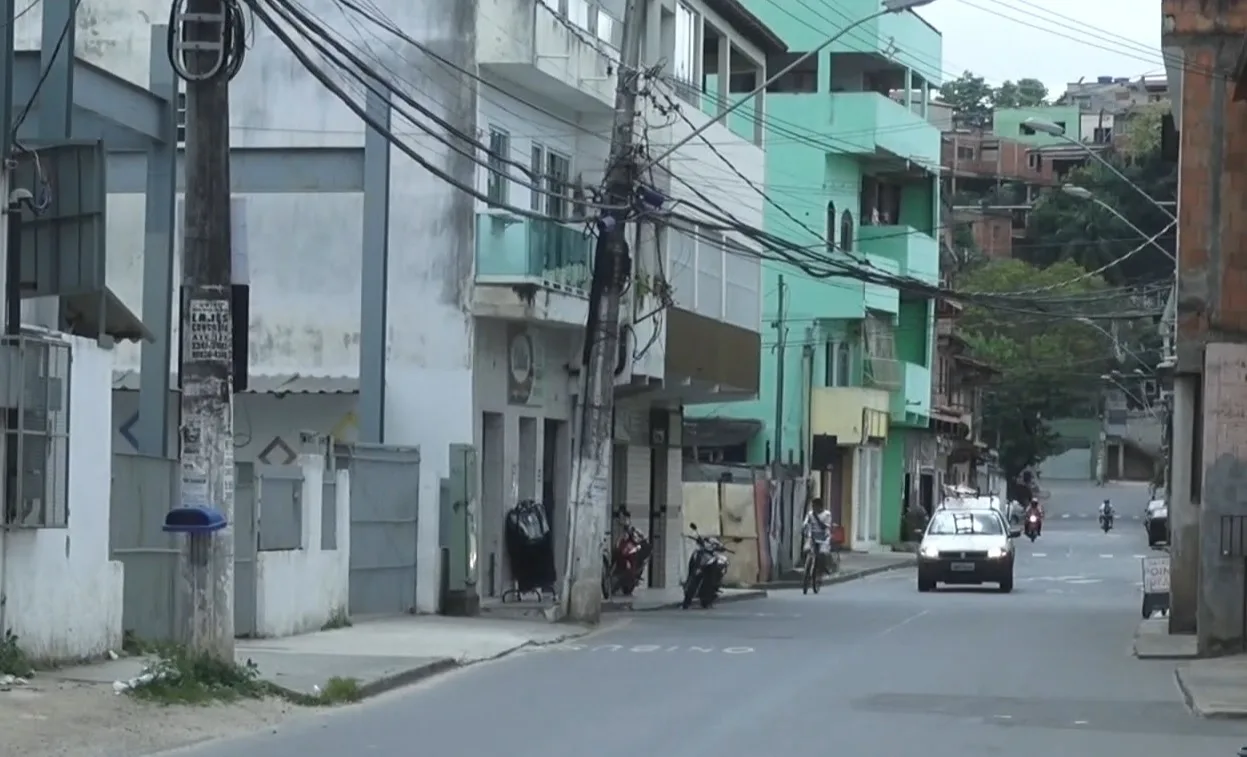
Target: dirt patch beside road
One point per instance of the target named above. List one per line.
(45, 718)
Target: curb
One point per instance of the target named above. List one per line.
(739, 596)
(1200, 712)
(839, 578)
(437, 667)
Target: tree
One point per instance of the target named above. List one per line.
(1064, 227)
(1025, 93)
(969, 95)
(1048, 360)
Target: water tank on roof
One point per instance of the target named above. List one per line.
(1104, 80)
(1122, 80)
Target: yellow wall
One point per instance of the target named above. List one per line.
(838, 411)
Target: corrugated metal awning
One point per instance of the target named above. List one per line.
(278, 383)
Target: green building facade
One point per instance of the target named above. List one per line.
(852, 172)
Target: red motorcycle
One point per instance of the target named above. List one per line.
(624, 565)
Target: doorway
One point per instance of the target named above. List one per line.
(866, 520)
(926, 492)
(493, 510)
(659, 471)
(555, 480)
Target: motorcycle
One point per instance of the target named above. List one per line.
(1106, 522)
(624, 564)
(1032, 527)
(706, 568)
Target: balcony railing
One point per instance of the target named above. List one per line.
(511, 250)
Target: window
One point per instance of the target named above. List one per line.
(498, 184)
(537, 166)
(578, 13)
(558, 184)
(1102, 135)
(844, 364)
(965, 153)
(1035, 161)
(831, 227)
(1060, 125)
(950, 522)
(846, 232)
(1025, 130)
(684, 56)
(36, 463)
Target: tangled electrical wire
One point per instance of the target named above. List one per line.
(301, 32)
(230, 44)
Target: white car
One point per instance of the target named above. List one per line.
(1156, 522)
(967, 545)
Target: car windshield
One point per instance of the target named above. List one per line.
(949, 522)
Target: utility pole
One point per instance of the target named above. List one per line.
(582, 584)
(781, 330)
(205, 360)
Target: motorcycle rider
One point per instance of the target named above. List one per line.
(1034, 509)
(1106, 511)
(817, 528)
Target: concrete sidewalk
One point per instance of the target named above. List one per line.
(1216, 687)
(853, 565)
(379, 654)
(1152, 641)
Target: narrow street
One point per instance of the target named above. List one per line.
(871, 666)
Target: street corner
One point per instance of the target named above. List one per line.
(1214, 691)
(1152, 641)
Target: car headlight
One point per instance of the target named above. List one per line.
(995, 553)
(929, 551)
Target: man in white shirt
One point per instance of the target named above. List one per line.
(817, 528)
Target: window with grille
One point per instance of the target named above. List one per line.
(558, 184)
(537, 164)
(498, 186)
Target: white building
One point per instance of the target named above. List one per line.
(485, 308)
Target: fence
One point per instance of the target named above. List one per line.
(268, 516)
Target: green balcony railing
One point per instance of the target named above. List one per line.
(521, 250)
(864, 122)
(917, 255)
(911, 400)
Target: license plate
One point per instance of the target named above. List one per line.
(962, 567)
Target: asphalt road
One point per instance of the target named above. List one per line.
(870, 667)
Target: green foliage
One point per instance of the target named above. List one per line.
(13, 659)
(1064, 227)
(973, 98)
(970, 95)
(182, 676)
(1047, 364)
(1025, 93)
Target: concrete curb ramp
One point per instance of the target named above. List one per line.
(1206, 709)
(839, 578)
(424, 671)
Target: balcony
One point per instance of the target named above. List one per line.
(531, 270)
(851, 414)
(563, 50)
(911, 403)
(916, 255)
(872, 124)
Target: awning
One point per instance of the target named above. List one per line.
(99, 313)
(279, 383)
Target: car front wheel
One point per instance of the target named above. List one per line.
(925, 585)
(1006, 585)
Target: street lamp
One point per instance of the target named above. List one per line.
(1086, 194)
(1051, 129)
(889, 6)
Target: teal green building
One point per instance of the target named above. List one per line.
(852, 168)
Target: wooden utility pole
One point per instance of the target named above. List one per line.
(582, 584)
(206, 355)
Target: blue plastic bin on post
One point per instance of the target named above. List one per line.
(194, 520)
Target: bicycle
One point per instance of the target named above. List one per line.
(812, 577)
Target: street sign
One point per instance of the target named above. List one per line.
(1156, 575)
(1155, 585)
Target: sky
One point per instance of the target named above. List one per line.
(1055, 41)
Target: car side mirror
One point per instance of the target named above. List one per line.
(1014, 534)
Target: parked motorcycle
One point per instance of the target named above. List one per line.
(706, 568)
(1032, 527)
(624, 564)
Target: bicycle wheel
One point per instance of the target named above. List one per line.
(816, 570)
(807, 576)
